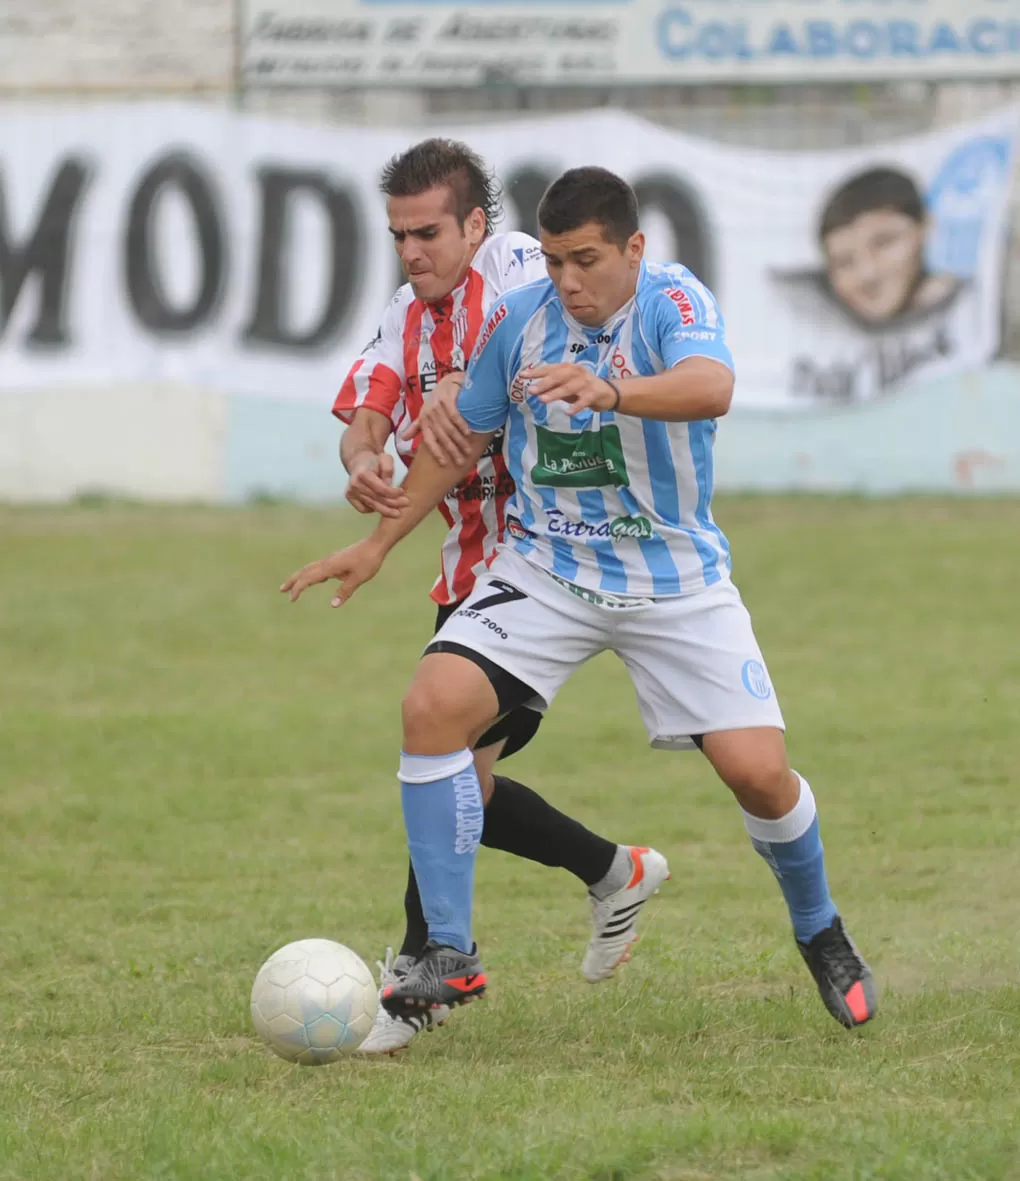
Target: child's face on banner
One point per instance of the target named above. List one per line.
(875, 262)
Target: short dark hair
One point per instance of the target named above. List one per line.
(878, 188)
(583, 195)
(435, 162)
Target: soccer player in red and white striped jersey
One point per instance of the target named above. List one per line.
(442, 203)
(420, 341)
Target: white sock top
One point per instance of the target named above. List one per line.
(789, 827)
(429, 768)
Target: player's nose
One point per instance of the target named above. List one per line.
(869, 272)
(411, 252)
(570, 283)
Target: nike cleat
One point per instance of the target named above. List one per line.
(443, 976)
(614, 919)
(844, 980)
(388, 1033)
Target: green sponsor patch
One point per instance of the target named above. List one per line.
(638, 528)
(591, 459)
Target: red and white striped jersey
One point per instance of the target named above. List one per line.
(417, 344)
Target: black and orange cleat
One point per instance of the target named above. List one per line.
(844, 980)
(442, 976)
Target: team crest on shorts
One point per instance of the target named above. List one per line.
(756, 679)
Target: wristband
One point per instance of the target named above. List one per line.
(616, 390)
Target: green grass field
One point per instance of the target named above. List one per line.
(193, 772)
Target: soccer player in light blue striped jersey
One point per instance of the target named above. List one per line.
(607, 378)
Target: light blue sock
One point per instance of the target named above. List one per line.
(443, 815)
(792, 846)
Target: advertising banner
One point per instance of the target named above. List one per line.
(606, 42)
(190, 245)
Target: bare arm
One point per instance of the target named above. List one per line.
(368, 433)
(426, 485)
(693, 389)
(363, 453)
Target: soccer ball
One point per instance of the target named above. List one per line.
(313, 1001)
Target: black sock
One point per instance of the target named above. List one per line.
(519, 821)
(416, 932)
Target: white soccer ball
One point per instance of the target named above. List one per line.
(313, 1001)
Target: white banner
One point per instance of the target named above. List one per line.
(599, 42)
(178, 243)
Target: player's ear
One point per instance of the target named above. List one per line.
(474, 226)
(635, 248)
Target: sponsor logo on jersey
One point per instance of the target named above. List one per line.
(683, 303)
(632, 528)
(620, 529)
(517, 530)
(695, 334)
(580, 346)
(373, 342)
(479, 487)
(522, 254)
(497, 318)
(619, 366)
(591, 459)
(519, 389)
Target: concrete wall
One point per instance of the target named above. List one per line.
(163, 442)
(116, 46)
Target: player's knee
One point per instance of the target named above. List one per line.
(766, 779)
(755, 768)
(435, 715)
(768, 789)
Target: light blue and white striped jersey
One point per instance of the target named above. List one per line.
(608, 502)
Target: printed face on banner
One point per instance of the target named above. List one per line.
(875, 263)
(872, 233)
(898, 292)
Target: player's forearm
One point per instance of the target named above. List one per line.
(695, 389)
(425, 486)
(367, 433)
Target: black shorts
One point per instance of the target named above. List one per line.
(519, 724)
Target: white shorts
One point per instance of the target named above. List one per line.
(693, 659)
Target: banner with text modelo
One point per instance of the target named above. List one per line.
(564, 42)
(180, 243)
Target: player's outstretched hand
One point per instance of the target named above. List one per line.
(567, 382)
(352, 567)
(371, 488)
(442, 429)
